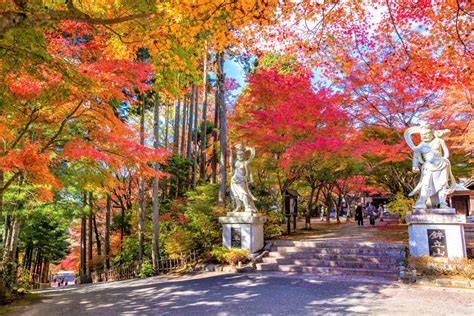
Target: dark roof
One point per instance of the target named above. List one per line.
(292, 193)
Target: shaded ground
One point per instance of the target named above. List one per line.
(249, 294)
(388, 231)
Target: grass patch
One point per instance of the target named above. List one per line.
(18, 305)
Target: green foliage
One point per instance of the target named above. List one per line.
(179, 169)
(118, 222)
(266, 204)
(46, 232)
(230, 256)
(401, 205)
(202, 215)
(24, 279)
(129, 251)
(146, 270)
(284, 63)
(272, 227)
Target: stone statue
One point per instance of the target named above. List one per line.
(432, 155)
(241, 177)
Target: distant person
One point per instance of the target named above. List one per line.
(381, 210)
(372, 213)
(359, 215)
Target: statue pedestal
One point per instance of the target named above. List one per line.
(243, 230)
(436, 233)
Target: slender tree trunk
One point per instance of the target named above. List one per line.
(338, 205)
(196, 128)
(215, 139)
(89, 236)
(156, 202)
(83, 241)
(202, 167)
(176, 126)
(328, 204)
(122, 216)
(28, 260)
(97, 237)
(2, 178)
(107, 233)
(310, 207)
(44, 272)
(141, 194)
(223, 128)
(167, 118)
(7, 234)
(183, 127)
(190, 122)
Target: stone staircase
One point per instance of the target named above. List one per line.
(370, 260)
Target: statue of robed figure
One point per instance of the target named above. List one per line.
(430, 157)
(241, 176)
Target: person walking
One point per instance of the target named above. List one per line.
(359, 215)
(381, 210)
(371, 210)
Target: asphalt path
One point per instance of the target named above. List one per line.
(269, 293)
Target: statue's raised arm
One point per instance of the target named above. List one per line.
(407, 135)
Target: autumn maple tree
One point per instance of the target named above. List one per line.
(122, 109)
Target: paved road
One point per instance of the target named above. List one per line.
(250, 294)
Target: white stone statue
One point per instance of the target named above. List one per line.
(432, 154)
(241, 177)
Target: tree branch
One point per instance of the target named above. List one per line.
(12, 19)
(396, 29)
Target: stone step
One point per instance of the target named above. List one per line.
(392, 267)
(337, 244)
(392, 275)
(342, 250)
(335, 257)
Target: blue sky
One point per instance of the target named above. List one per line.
(234, 70)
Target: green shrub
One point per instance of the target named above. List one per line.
(272, 227)
(230, 256)
(146, 270)
(401, 205)
(202, 215)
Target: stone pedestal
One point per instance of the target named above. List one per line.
(438, 233)
(243, 231)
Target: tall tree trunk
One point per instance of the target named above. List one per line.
(97, 237)
(156, 203)
(107, 233)
(167, 119)
(122, 228)
(83, 241)
(44, 272)
(176, 126)
(89, 237)
(223, 128)
(310, 207)
(183, 127)
(141, 194)
(190, 122)
(202, 166)
(7, 234)
(215, 138)
(2, 178)
(196, 128)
